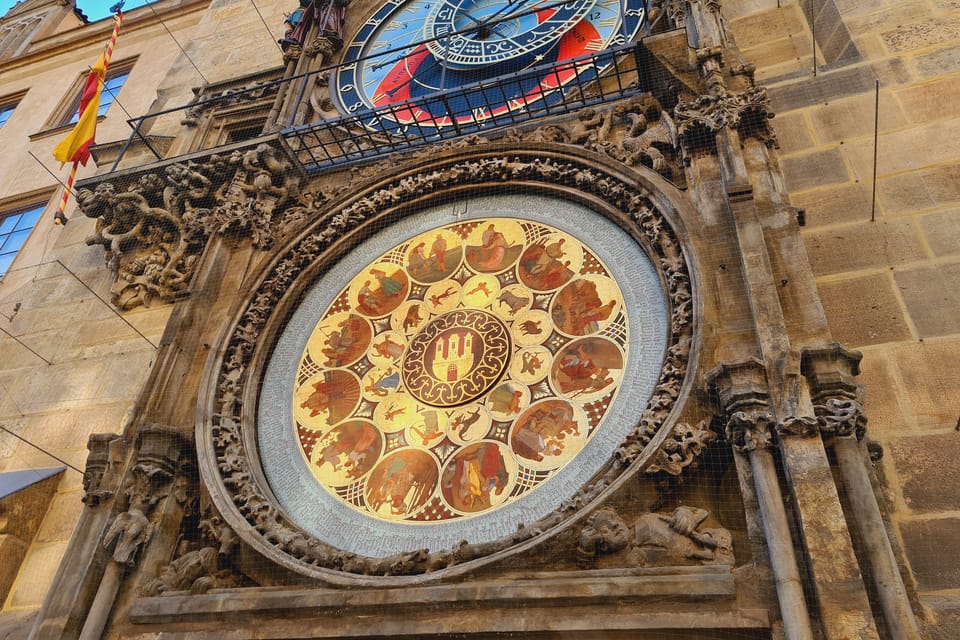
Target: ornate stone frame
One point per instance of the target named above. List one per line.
(642, 204)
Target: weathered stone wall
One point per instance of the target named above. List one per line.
(890, 287)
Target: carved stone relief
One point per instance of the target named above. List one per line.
(199, 567)
(233, 464)
(150, 480)
(748, 112)
(154, 231)
(655, 539)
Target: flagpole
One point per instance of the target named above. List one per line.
(60, 217)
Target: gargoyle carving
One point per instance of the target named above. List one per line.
(656, 539)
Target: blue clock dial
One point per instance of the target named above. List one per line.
(411, 49)
(471, 33)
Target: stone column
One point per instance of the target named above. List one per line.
(742, 391)
(838, 404)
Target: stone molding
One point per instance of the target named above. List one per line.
(231, 473)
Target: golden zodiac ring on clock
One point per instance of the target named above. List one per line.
(456, 357)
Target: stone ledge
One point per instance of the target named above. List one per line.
(711, 587)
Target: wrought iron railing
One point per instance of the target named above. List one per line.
(479, 107)
(365, 134)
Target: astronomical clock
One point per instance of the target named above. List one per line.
(500, 327)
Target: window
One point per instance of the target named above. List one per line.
(6, 110)
(111, 86)
(68, 112)
(8, 105)
(15, 226)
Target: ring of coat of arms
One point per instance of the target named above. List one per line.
(456, 357)
(460, 370)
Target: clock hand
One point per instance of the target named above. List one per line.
(393, 60)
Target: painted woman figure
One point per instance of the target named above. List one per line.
(494, 249)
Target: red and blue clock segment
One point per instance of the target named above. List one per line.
(412, 51)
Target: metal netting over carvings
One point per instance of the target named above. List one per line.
(504, 101)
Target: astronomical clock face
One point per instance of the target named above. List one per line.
(410, 49)
(454, 376)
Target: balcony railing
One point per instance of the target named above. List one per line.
(479, 107)
(505, 101)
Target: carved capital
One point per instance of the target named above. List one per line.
(102, 448)
(750, 430)
(748, 112)
(837, 396)
(744, 399)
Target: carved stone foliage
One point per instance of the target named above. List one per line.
(237, 481)
(683, 448)
(837, 397)
(743, 397)
(150, 480)
(655, 539)
(154, 230)
(748, 112)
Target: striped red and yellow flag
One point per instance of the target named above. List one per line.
(76, 146)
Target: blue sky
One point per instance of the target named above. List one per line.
(95, 9)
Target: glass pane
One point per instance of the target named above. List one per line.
(15, 240)
(110, 89)
(29, 218)
(5, 262)
(7, 224)
(5, 112)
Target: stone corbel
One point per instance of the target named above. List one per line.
(154, 227)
